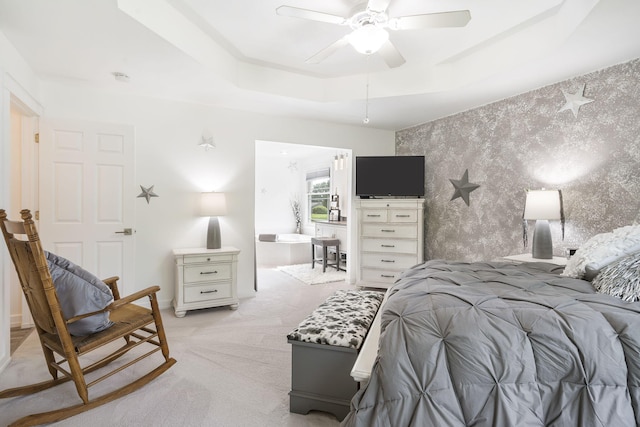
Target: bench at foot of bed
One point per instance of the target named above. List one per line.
(324, 348)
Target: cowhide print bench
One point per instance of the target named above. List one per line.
(324, 348)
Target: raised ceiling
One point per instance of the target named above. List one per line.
(240, 54)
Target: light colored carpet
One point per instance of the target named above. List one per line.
(314, 276)
(234, 368)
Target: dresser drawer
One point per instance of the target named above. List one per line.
(390, 246)
(389, 261)
(207, 273)
(403, 215)
(381, 276)
(374, 215)
(207, 292)
(390, 230)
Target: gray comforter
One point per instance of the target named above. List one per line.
(494, 344)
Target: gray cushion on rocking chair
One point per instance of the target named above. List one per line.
(79, 292)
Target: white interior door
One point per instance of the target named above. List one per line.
(87, 174)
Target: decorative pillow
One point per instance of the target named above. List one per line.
(621, 279)
(603, 249)
(79, 292)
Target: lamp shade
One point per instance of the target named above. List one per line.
(213, 204)
(542, 204)
(368, 39)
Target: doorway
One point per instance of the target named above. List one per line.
(285, 174)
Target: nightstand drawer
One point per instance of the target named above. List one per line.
(389, 261)
(207, 273)
(390, 246)
(390, 230)
(203, 259)
(207, 292)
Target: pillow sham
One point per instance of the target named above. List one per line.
(620, 279)
(79, 292)
(603, 249)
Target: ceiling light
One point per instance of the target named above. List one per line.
(368, 39)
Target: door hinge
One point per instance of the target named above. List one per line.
(36, 138)
(37, 215)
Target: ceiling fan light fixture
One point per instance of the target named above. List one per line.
(368, 39)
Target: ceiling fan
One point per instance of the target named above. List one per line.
(369, 23)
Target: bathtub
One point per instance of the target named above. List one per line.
(288, 249)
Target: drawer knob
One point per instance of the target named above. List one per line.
(387, 246)
(388, 231)
(208, 272)
(209, 292)
(373, 216)
(403, 216)
(387, 260)
(208, 259)
(387, 276)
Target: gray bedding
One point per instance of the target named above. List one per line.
(496, 344)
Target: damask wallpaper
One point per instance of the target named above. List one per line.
(527, 142)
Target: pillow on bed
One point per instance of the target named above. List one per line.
(79, 292)
(621, 279)
(603, 249)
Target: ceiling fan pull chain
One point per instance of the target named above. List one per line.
(366, 108)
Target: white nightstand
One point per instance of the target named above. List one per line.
(205, 278)
(529, 258)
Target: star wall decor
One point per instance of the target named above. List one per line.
(575, 101)
(463, 187)
(147, 193)
(207, 143)
(293, 166)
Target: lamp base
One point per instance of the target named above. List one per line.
(542, 245)
(213, 233)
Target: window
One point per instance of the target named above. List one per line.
(318, 195)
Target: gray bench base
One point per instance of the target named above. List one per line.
(320, 378)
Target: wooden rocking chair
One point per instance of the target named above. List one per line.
(135, 325)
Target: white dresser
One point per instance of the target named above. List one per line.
(390, 239)
(205, 278)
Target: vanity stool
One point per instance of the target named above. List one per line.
(326, 243)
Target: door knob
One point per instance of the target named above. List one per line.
(126, 232)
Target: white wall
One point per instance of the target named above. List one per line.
(20, 84)
(168, 157)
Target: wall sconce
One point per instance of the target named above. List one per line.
(213, 205)
(542, 206)
(339, 162)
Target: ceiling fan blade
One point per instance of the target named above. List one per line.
(378, 5)
(328, 51)
(312, 15)
(390, 54)
(457, 18)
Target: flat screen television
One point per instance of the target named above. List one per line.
(383, 176)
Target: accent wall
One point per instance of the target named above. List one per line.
(527, 142)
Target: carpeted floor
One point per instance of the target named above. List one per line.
(314, 276)
(234, 368)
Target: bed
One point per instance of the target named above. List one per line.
(500, 344)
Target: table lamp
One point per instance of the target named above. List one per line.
(542, 206)
(213, 205)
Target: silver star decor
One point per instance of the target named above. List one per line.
(147, 193)
(575, 101)
(207, 143)
(463, 187)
